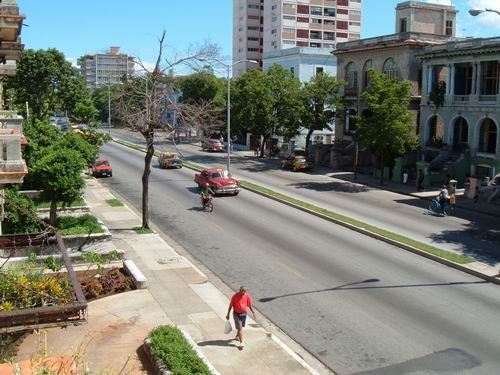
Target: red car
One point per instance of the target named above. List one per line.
(219, 180)
(101, 167)
(212, 144)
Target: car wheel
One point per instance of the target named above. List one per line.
(236, 194)
(111, 174)
(295, 169)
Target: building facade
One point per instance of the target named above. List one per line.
(419, 25)
(261, 26)
(106, 68)
(248, 35)
(460, 115)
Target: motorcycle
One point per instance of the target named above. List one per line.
(207, 204)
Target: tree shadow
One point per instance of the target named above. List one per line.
(225, 343)
(349, 287)
(478, 239)
(145, 360)
(344, 187)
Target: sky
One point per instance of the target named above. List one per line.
(79, 27)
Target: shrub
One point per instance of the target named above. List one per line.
(20, 214)
(169, 344)
(85, 224)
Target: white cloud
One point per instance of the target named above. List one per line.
(143, 66)
(485, 20)
(72, 60)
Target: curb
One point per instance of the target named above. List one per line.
(365, 232)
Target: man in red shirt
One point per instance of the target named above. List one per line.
(240, 302)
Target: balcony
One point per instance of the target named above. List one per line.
(461, 98)
(488, 98)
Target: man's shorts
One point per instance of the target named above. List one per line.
(239, 319)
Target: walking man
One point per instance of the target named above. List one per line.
(240, 302)
(420, 181)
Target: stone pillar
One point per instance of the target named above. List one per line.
(424, 167)
(397, 172)
(478, 80)
(452, 80)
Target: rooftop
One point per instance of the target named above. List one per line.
(461, 47)
(298, 51)
(420, 4)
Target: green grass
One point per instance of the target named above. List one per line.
(140, 230)
(448, 255)
(457, 258)
(44, 204)
(114, 202)
(74, 225)
(171, 347)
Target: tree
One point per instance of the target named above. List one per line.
(85, 111)
(143, 105)
(20, 214)
(100, 100)
(201, 87)
(47, 82)
(385, 127)
(59, 172)
(322, 100)
(267, 104)
(77, 142)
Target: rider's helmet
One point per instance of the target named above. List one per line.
(443, 187)
(205, 185)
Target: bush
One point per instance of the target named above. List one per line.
(169, 344)
(20, 214)
(85, 224)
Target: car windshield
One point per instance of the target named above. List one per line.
(214, 141)
(222, 174)
(101, 163)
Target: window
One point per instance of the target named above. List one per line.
(343, 25)
(315, 45)
(489, 78)
(341, 11)
(253, 38)
(315, 34)
(288, 30)
(302, 33)
(329, 22)
(288, 7)
(328, 36)
(316, 11)
(290, 18)
(290, 42)
(354, 23)
(303, 9)
(292, 70)
(391, 69)
(274, 7)
(316, 21)
(319, 70)
(328, 45)
(253, 28)
(366, 68)
(343, 3)
(251, 49)
(351, 76)
(253, 6)
(303, 19)
(330, 12)
(449, 27)
(273, 31)
(403, 23)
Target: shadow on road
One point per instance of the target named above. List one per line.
(344, 187)
(226, 343)
(345, 287)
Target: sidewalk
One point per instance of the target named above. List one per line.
(189, 300)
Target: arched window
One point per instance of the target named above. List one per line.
(366, 68)
(460, 133)
(488, 137)
(391, 69)
(351, 76)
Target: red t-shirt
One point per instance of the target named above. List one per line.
(241, 303)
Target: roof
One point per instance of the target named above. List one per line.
(214, 170)
(467, 46)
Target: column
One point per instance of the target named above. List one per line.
(478, 79)
(473, 95)
(452, 80)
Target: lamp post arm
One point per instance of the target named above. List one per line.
(493, 10)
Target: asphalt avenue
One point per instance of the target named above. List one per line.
(359, 305)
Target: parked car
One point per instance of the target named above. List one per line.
(101, 167)
(169, 160)
(219, 180)
(297, 163)
(212, 144)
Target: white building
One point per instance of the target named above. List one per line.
(106, 68)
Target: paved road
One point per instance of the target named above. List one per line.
(466, 232)
(359, 305)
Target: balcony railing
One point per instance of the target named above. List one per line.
(487, 98)
(461, 98)
(351, 91)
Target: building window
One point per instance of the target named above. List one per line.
(489, 78)
(303, 9)
(328, 36)
(329, 22)
(351, 76)
(366, 68)
(329, 12)
(316, 21)
(449, 27)
(315, 34)
(290, 18)
(391, 69)
(488, 137)
(341, 11)
(316, 11)
(343, 25)
(291, 42)
(302, 33)
(292, 70)
(315, 45)
(319, 70)
(303, 19)
(403, 24)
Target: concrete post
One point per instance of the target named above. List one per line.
(424, 167)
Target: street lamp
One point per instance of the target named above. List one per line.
(229, 68)
(477, 12)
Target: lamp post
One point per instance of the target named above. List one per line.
(477, 12)
(229, 68)
(109, 109)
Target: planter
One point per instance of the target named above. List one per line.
(77, 241)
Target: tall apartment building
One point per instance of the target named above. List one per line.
(248, 37)
(291, 23)
(106, 68)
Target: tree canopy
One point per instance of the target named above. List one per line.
(385, 127)
(322, 100)
(47, 82)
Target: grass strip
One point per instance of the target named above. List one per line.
(457, 258)
(114, 202)
(45, 204)
(74, 225)
(140, 230)
(448, 255)
(169, 344)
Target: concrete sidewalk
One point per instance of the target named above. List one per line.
(190, 301)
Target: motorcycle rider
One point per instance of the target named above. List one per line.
(205, 193)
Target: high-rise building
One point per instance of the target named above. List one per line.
(106, 68)
(270, 25)
(248, 38)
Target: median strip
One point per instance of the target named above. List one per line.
(444, 256)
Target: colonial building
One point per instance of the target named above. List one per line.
(460, 112)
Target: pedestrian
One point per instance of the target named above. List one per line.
(240, 302)
(420, 182)
(405, 176)
(257, 149)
